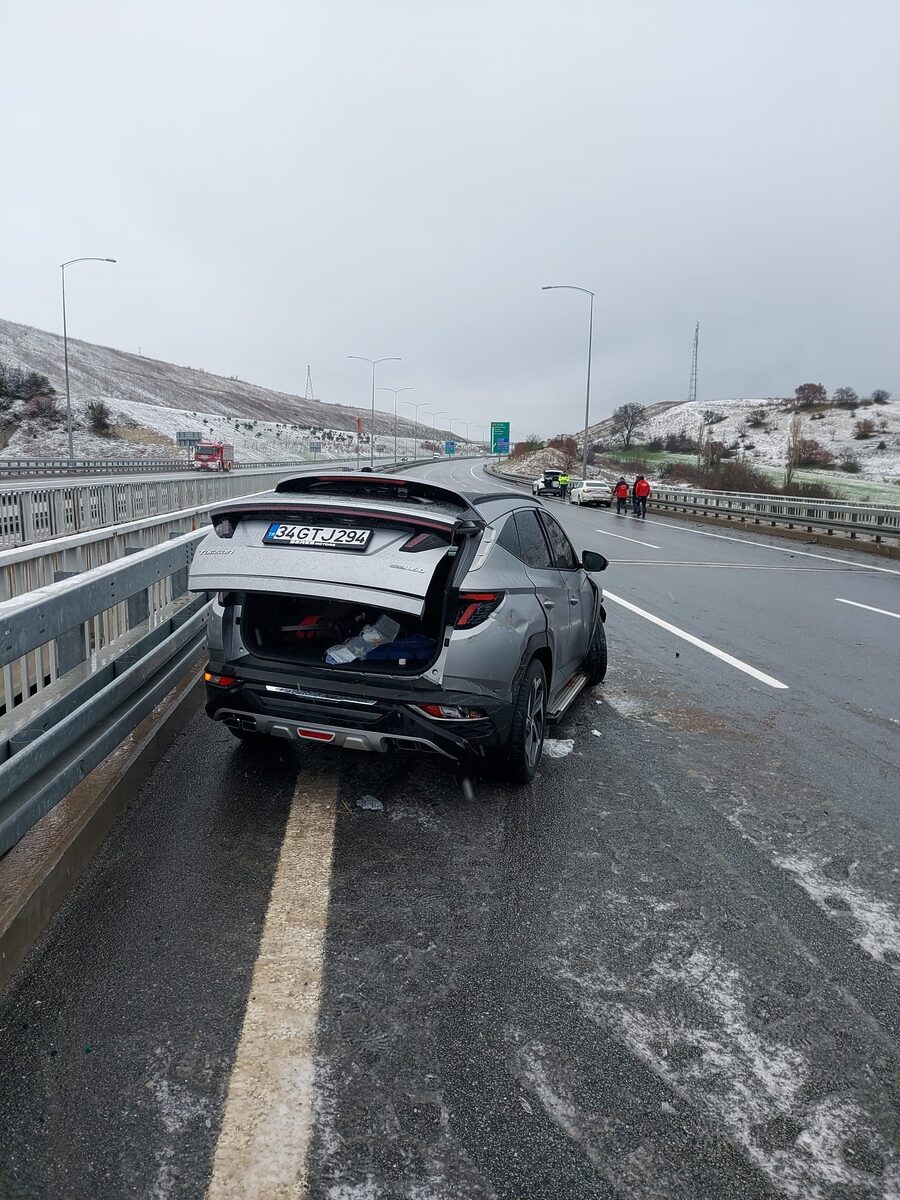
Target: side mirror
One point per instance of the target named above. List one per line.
(591, 560)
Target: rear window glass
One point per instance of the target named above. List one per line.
(534, 551)
(509, 538)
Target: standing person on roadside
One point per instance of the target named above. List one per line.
(564, 482)
(640, 492)
(620, 491)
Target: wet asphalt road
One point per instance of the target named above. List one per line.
(667, 969)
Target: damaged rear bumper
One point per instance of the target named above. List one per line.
(364, 721)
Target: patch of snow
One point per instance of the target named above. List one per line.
(741, 1076)
(878, 922)
(558, 747)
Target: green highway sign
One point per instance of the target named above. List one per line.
(499, 437)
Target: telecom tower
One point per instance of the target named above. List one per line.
(692, 389)
(310, 394)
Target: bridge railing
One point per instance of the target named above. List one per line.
(82, 662)
(88, 651)
(36, 512)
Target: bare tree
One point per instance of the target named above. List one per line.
(627, 420)
(880, 396)
(792, 456)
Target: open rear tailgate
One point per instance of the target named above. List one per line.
(343, 547)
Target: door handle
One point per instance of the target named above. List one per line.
(546, 603)
(574, 601)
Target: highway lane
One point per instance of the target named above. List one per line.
(667, 969)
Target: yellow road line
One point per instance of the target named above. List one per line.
(267, 1126)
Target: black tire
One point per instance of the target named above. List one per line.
(529, 724)
(596, 662)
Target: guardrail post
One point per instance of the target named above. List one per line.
(139, 604)
(70, 648)
(26, 518)
(180, 577)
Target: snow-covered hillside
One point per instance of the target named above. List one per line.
(765, 444)
(150, 400)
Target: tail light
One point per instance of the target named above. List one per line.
(476, 607)
(224, 681)
(450, 712)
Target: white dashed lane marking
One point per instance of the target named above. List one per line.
(769, 680)
(623, 538)
(885, 612)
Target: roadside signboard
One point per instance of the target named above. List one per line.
(187, 438)
(499, 437)
(449, 447)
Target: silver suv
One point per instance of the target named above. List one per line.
(383, 614)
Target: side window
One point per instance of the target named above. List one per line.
(564, 556)
(534, 551)
(509, 537)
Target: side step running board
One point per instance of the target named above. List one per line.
(573, 688)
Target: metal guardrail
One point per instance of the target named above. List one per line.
(877, 521)
(82, 662)
(37, 512)
(121, 466)
(85, 658)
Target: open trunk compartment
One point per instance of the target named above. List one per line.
(298, 631)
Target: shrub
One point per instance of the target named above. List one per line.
(680, 443)
(882, 445)
(655, 445)
(863, 429)
(711, 417)
(42, 408)
(880, 396)
(757, 418)
(849, 462)
(811, 453)
(98, 415)
(17, 384)
(819, 491)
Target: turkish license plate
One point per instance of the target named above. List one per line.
(325, 537)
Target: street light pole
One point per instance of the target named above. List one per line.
(410, 404)
(62, 269)
(568, 287)
(396, 392)
(434, 416)
(374, 362)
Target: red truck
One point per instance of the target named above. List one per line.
(213, 456)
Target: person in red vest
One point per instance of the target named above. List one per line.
(620, 491)
(639, 494)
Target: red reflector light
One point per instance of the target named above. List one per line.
(315, 735)
(219, 680)
(475, 607)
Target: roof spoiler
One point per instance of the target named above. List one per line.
(378, 487)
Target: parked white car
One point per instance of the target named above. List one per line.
(592, 491)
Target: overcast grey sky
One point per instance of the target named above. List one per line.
(287, 183)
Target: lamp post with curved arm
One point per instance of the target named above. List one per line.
(62, 269)
(569, 287)
(396, 392)
(434, 416)
(421, 404)
(374, 363)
